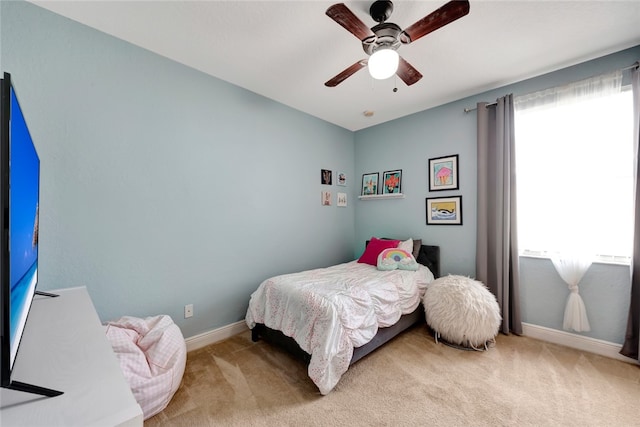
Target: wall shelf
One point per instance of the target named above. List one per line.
(382, 196)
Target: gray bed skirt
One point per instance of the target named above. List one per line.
(384, 335)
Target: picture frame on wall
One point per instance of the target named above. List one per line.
(443, 173)
(326, 176)
(341, 179)
(444, 210)
(341, 201)
(370, 184)
(392, 181)
(326, 198)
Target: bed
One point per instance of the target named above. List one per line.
(332, 317)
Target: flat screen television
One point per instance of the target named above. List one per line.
(19, 208)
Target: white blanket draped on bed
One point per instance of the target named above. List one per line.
(329, 311)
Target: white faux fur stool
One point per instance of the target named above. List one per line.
(462, 311)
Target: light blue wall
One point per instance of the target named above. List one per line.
(605, 290)
(409, 142)
(162, 186)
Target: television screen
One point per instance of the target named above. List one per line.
(19, 198)
(24, 179)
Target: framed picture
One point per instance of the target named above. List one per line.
(325, 176)
(342, 200)
(342, 179)
(391, 181)
(326, 198)
(370, 184)
(444, 210)
(443, 173)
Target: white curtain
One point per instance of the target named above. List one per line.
(597, 86)
(571, 267)
(560, 161)
(567, 242)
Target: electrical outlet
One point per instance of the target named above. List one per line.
(188, 311)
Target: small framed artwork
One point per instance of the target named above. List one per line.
(325, 176)
(443, 173)
(391, 181)
(370, 184)
(326, 198)
(342, 200)
(444, 210)
(342, 179)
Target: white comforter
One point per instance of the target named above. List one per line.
(329, 311)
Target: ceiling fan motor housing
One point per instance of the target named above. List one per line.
(381, 10)
(386, 37)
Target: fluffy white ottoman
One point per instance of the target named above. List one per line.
(462, 311)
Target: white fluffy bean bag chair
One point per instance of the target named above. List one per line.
(462, 311)
(152, 354)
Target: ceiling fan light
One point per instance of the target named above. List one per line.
(383, 63)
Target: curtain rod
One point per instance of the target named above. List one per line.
(467, 110)
(628, 67)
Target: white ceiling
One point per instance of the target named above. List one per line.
(286, 50)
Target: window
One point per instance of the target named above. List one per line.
(574, 165)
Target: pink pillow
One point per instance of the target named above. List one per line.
(373, 249)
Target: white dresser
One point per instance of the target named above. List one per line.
(64, 348)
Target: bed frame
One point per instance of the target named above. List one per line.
(428, 256)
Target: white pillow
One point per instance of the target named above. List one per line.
(406, 245)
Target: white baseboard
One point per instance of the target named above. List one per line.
(579, 342)
(198, 341)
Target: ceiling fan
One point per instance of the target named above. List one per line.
(385, 38)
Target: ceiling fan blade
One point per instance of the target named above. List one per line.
(343, 16)
(348, 72)
(448, 13)
(407, 73)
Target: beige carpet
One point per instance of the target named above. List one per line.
(412, 381)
